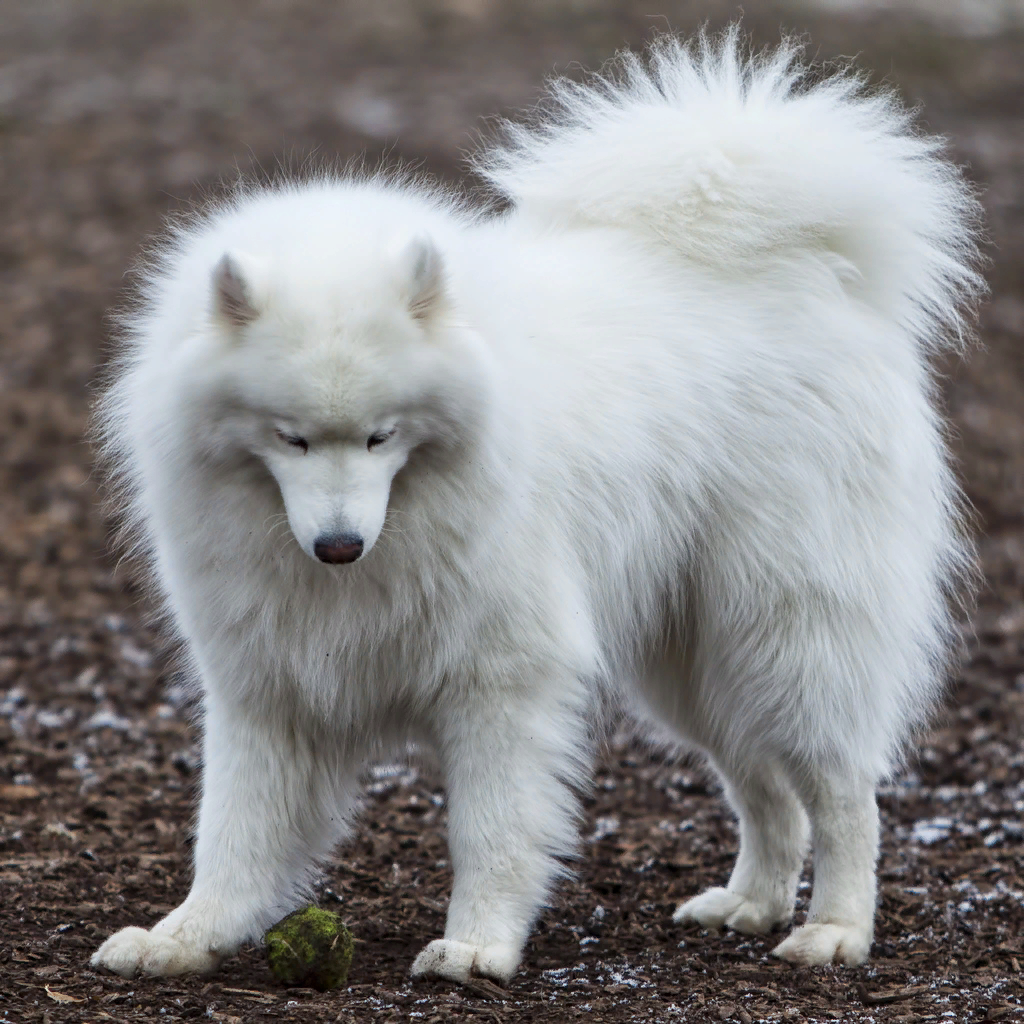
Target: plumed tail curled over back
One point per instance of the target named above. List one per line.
(739, 161)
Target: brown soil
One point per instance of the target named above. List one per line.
(112, 114)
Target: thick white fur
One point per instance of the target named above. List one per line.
(662, 436)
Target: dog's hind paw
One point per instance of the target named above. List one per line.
(459, 961)
(719, 908)
(135, 951)
(817, 944)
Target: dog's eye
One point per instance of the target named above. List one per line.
(379, 438)
(294, 440)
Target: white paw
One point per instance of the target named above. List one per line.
(816, 944)
(717, 908)
(134, 951)
(459, 961)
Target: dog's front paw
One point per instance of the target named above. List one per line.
(817, 944)
(719, 908)
(134, 951)
(459, 961)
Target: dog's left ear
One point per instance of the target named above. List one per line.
(423, 269)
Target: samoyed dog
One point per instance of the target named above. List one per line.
(653, 429)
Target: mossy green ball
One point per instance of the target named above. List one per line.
(311, 948)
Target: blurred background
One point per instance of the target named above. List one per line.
(115, 114)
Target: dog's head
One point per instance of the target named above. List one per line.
(335, 363)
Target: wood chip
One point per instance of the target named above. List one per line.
(252, 992)
(884, 998)
(61, 997)
(485, 988)
(13, 794)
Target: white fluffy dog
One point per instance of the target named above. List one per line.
(655, 430)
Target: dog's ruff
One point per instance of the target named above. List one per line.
(656, 430)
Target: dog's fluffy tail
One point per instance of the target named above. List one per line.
(738, 161)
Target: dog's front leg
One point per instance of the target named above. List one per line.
(513, 765)
(274, 802)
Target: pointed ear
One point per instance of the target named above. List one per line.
(423, 269)
(234, 290)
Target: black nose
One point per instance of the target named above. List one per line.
(338, 550)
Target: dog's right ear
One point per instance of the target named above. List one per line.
(235, 290)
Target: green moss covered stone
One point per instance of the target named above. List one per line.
(311, 948)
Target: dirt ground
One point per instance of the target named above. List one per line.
(115, 113)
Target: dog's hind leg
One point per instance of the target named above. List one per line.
(773, 841)
(273, 804)
(512, 768)
(844, 829)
